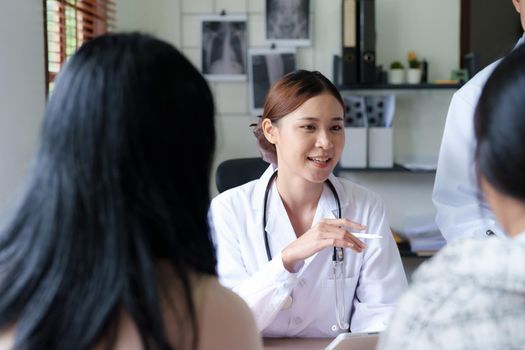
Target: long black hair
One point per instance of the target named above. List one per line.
(119, 183)
(500, 126)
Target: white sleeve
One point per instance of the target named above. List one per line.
(266, 290)
(382, 278)
(461, 211)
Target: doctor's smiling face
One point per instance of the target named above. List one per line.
(309, 140)
(302, 126)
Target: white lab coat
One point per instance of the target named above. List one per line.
(374, 279)
(461, 212)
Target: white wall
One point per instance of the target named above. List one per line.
(22, 91)
(159, 17)
(429, 27)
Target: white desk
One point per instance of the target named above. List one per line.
(296, 343)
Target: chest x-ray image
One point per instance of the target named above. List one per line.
(266, 67)
(288, 20)
(224, 48)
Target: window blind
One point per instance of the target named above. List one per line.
(68, 24)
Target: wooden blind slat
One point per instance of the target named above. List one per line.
(89, 11)
(95, 2)
(69, 23)
(86, 20)
(86, 11)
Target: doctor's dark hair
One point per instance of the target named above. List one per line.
(285, 96)
(118, 189)
(500, 126)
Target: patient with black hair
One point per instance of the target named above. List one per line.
(109, 247)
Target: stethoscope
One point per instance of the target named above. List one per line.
(338, 257)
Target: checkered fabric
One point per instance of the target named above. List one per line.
(471, 295)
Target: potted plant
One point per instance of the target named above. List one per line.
(396, 73)
(414, 68)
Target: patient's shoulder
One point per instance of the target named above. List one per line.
(7, 337)
(225, 321)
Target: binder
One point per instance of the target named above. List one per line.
(349, 60)
(366, 34)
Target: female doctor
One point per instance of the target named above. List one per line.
(284, 241)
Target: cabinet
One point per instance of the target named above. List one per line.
(418, 122)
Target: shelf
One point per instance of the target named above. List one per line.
(399, 86)
(395, 169)
(406, 252)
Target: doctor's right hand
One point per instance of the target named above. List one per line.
(326, 233)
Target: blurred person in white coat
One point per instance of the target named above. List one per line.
(276, 235)
(471, 295)
(460, 210)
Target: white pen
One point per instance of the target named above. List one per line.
(366, 235)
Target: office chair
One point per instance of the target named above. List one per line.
(236, 172)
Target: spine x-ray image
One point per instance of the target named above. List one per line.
(287, 19)
(266, 69)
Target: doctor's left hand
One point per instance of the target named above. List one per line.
(326, 233)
